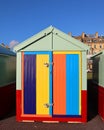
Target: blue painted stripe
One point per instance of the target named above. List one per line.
(36, 52)
(29, 84)
(50, 83)
(72, 84)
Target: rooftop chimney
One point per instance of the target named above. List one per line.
(83, 35)
(96, 35)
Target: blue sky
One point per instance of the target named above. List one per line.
(21, 19)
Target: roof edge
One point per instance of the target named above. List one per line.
(33, 38)
(99, 53)
(47, 31)
(70, 39)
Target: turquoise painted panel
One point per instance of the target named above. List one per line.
(72, 84)
(50, 82)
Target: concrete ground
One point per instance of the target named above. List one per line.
(10, 124)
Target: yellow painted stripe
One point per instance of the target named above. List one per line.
(66, 52)
(42, 84)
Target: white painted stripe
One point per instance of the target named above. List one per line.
(18, 71)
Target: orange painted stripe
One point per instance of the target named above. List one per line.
(22, 71)
(59, 84)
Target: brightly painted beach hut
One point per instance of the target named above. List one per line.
(98, 80)
(51, 78)
(7, 81)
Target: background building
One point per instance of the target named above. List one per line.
(95, 42)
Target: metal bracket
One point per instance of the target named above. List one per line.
(47, 105)
(48, 64)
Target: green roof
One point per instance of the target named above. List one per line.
(51, 39)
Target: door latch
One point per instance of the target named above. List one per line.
(47, 64)
(47, 105)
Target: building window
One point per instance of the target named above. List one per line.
(100, 46)
(94, 46)
(100, 40)
(94, 40)
(89, 41)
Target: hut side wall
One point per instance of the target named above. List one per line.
(7, 70)
(98, 78)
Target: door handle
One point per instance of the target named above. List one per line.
(47, 105)
(48, 64)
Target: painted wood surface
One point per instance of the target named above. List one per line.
(66, 83)
(59, 84)
(51, 90)
(29, 84)
(42, 84)
(72, 84)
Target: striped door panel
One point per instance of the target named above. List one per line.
(29, 84)
(51, 90)
(36, 90)
(66, 85)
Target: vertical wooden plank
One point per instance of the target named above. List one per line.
(42, 84)
(72, 84)
(50, 83)
(59, 84)
(29, 84)
(18, 71)
(22, 80)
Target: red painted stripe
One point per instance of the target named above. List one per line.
(59, 84)
(18, 105)
(21, 117)
(7, 99)
(79, 119)
(101, 101)
(84, 105)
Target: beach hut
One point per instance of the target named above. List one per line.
(7, 81)
(98, 80)
(51, 78)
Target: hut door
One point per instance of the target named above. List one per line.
(37, 83)
(66, 84)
